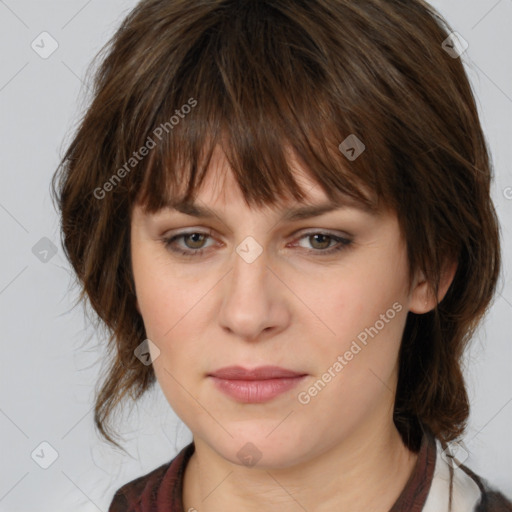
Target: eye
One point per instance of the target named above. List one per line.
(194, 243)
(323, 242)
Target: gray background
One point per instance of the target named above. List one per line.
(51, 358)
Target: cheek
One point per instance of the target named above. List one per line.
(358, 356)
(363, 311)
(174, 316)
(355, 299)
(164, 297)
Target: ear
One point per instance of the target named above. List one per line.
(422, 298)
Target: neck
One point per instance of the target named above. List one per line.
(366, 471)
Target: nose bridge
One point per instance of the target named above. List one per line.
(250, 304)
(248, 278)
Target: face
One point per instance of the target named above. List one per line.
(324, 297)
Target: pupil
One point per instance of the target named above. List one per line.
(325, 237)
(195, 235)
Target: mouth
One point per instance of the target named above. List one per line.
(258, 385)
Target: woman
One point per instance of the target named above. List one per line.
(281, 211)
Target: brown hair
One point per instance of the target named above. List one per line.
(260, 77)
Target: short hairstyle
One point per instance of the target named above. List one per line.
(261, 78)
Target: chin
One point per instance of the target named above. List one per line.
(258, 449)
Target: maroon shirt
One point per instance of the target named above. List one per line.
(161, 490)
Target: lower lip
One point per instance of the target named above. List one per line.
(256, 391)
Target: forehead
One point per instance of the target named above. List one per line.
(220, 185)
(220, 190)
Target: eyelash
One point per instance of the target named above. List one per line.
(342, 243)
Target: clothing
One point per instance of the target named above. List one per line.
(429, 489)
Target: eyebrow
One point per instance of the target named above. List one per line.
(289, 214)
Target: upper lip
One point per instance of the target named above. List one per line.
(260, 373)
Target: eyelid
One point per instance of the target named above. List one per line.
(297, 233)
(342, 241)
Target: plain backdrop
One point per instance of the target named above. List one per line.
(52, 358)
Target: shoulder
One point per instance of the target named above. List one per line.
(161, 487)
(128, 498)
(490, 499)
(455, 488)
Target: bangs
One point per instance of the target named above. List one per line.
(258, 90)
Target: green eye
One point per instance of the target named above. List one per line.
(193, 243)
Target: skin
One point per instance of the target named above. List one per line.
(292, 307)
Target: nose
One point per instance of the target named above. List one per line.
(254, 304)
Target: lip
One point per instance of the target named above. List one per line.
(256, 385)
(259, 373)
